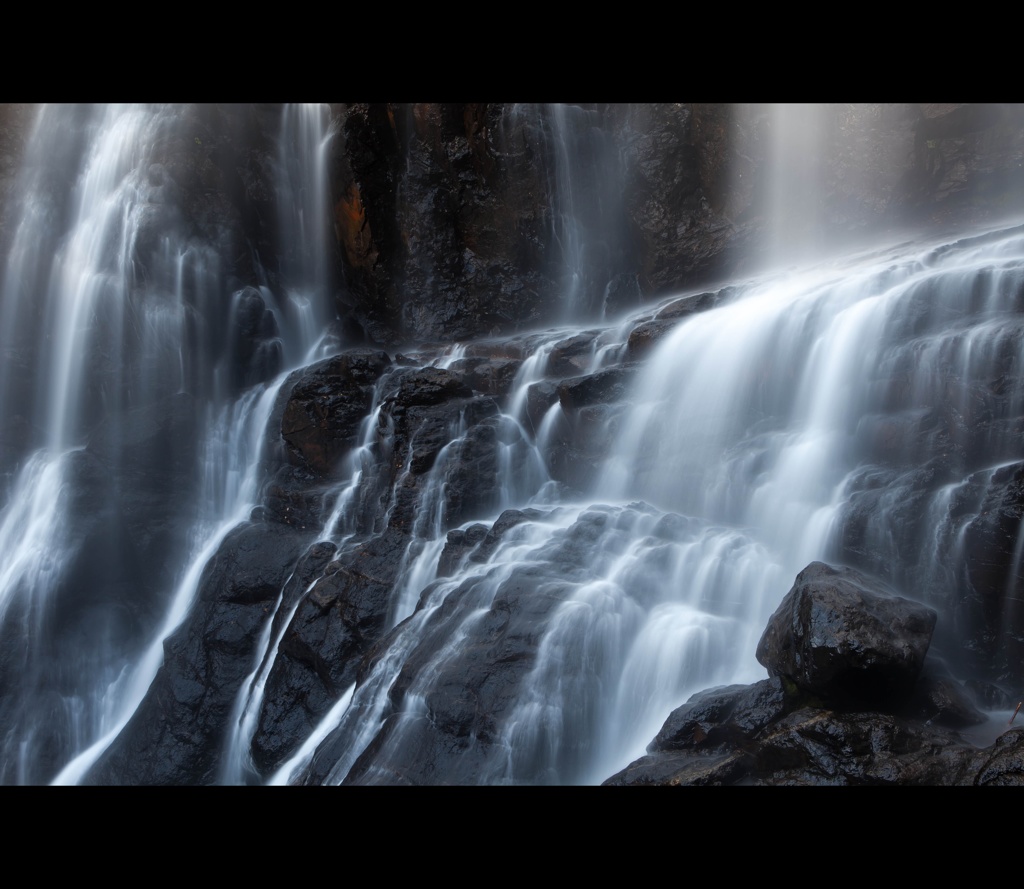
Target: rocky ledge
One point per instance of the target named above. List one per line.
(854, 697)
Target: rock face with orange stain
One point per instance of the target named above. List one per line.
(353, 229)
(463, 220)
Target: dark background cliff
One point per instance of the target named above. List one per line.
(442, 212)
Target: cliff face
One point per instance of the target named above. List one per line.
(449, 216)
(450, 220)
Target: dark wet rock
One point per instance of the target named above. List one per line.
(335, 623)
(682, 768)
(605, 386)
(690, 305)
(573, 356)
(516, 347)
(962, 156)
(772, 735)
(464, 694)
(294, 497)
(457, 250)
(809, 724)
(430, 430)
(539, 399)
(578, 447)
(459, 543)
(222, 160)
(823, 747)
(421, 413)
(471, 691)
(989, 620)
(425, 386)
(176, 735)
(461, 248)
(579, 435)
(326, 407)
(981, 524)
(1005, 765)
(707, 740)
(490, 376)
(509, 519)
(944, 701)
(473, 477)
(425, 412)
(646, 335)
(255, 352)
(678, 196)
(840, 634)
(722, 718)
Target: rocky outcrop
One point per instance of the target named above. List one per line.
(836, 633)
(330, 606)
(176, 735)
(466, 695)
(326, 407)
(850, 700)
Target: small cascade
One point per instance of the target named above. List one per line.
(304, 228)
(588, 244)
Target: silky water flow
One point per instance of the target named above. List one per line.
(794, 421)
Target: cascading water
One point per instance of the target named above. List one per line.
(106, 341)
(105, 283)
(750, 443)
(517, 582)
(588, 244)
(302, 198)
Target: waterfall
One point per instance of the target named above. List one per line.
(112, 307)
(304, 225)
(588, 244)
(95, 340)
(748, 446)
(504, 561)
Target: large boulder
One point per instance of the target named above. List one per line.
(851, 700)
(844, 636)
